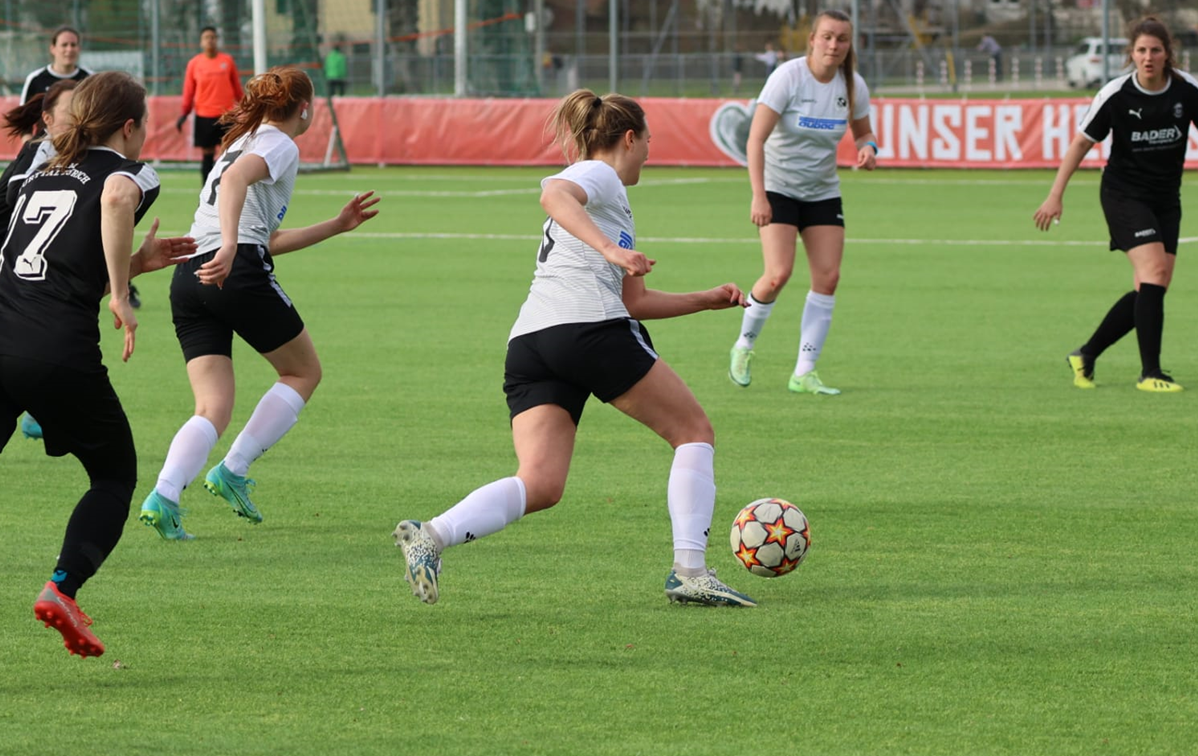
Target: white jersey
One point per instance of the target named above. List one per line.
(800, 153)
(265, 201)
(574, 283)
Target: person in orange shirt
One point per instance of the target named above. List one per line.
(212, 86)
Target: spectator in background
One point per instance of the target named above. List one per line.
(770, 58)
(212, 87)
(990, 46)
(64, 48)
(336, 70)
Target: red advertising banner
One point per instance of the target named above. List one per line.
(420, 131)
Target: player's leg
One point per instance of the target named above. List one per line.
(1153, 273)
(1117, 323)
(825, 250)
(778, 241)
(665, 404)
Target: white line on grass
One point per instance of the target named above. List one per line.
(750, 240)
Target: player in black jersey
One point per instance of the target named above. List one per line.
(1147, 113)
(64, 48)
(69, 241)
(42, 118)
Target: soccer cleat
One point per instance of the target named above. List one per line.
(423, 559)
(30, 428)
(704, 589)
(1159, 383)
(1083, 369)
(164, 515)
(134, 299)
(809, 383)
(61, 612)
(234, 489)
(738, 370)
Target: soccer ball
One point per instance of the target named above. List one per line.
(770, 537)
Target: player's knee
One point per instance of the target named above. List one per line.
(542, 494)
(697, 430)
(119, 487)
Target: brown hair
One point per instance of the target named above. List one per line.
(1150, 26)
(584, 123)
(63, 30)
(271, 96)
(850, 61)
(103, 103)
(27, 118)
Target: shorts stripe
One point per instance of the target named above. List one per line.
(635, 326)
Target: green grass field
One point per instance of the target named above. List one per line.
(1001, 564)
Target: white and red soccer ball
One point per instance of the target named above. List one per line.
(770, 537)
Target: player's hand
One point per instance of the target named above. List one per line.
(634, 263)
(760, 211)
(867, 159)
(1048, 213)
(357, 211)
(216, 270)
(723, 297)
(122, 314)
(156, 254)
(179, 123)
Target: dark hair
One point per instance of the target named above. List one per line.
(27, 118)
(62, 30)
(102, 105)
(209, 28)
(271, 96)
(1151, 26)
(584, 123)
(850, 61)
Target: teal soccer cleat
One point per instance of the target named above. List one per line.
(234, 489)
(30, 428)
(164, 516)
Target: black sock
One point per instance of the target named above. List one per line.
(1150, 322)
(92, 533)
(1119, 320)
(206, 164)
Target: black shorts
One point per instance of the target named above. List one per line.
(207, 132)
(800, 214)
(251, 304)
(1133, 222)
(78, 410)
(565, 364)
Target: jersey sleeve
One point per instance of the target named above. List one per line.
(591, 177)
(279, 152)
(860, 98)
(189, 86)
(779, 89)
(147, 181)
(1096, 123)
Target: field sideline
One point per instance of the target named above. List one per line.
(1001, 564)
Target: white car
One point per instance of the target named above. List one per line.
(1084, 67)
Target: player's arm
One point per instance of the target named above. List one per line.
(1052, 208)
(765, 119)
(118, 205)
(356, 212)
(565, 202)
(866, 142)
(650, 304)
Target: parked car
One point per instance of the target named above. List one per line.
(1084, 68)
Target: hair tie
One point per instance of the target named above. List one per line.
(598, 103)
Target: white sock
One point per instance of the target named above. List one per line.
(752, 321)
(186, 457)
(486, 510)
(691, 500)
(817, 319)
(277, 411)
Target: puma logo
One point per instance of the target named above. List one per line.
(1136, 113)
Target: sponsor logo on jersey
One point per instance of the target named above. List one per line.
(282, 212)
(1136, 113)
(1177, 110)
(1145, 232)
(625, 240)
(820, 124)
(1158, 136)
(842, 102)
(627, 211)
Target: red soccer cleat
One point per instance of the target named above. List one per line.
(53, 608)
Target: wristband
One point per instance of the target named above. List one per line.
(874, 145)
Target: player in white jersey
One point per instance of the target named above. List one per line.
(804, 109)
(1147, 114)
(579, 334)
(229, 287)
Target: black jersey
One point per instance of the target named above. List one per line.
(42, 79)
(1149, 131)
(14, 175)
(52, 267)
